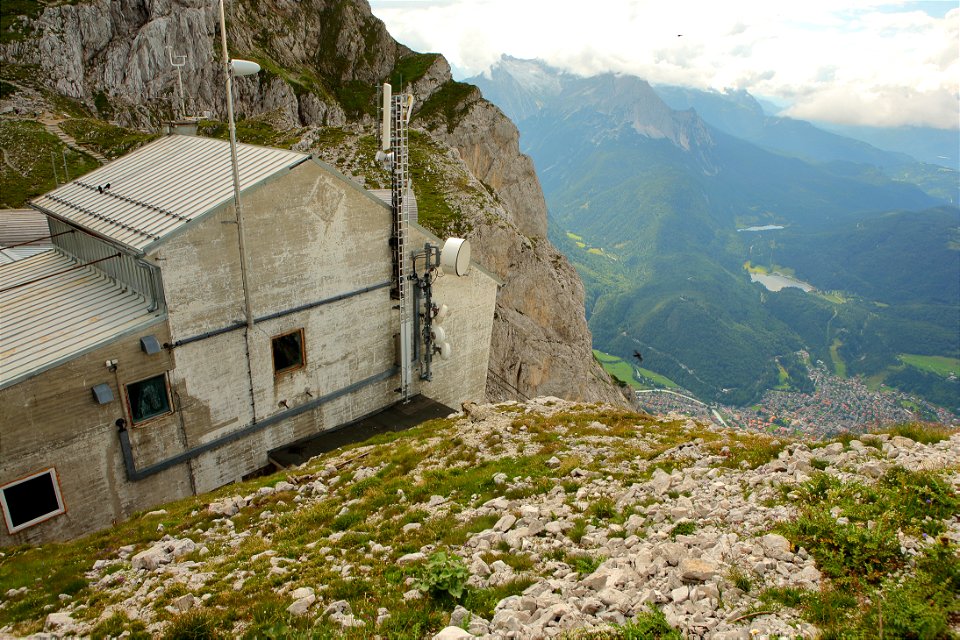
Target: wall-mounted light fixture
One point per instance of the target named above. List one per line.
(102, 393)
(150, 345)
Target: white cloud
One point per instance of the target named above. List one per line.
(881, 62)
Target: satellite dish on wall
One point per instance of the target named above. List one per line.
(244, 67)
(455, 256)
(441, 313)
(438, 334)
(444, 348)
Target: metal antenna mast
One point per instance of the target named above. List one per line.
(178, 65)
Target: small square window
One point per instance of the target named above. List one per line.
(148, 398)
(31, 500)
(288, 351)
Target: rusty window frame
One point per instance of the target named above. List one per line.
(151, 418)
(302, 360)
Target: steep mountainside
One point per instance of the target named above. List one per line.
(660, 211)
(322, 60)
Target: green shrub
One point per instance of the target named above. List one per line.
(443, 574)
(603, 508)
(482, 602)
(846, 550)
(921, 606)
(819, 464)
(650, 625)
(585, 564)
(683, 529)
(740, 579)
(198, 624)
(924, 433)
(116, 625)
(577, 530)
(915, 496)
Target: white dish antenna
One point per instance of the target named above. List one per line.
(244, 67)
(455, 256)
(444, 348)
(439, 334)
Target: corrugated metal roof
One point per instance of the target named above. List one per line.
(19, 253)
(19, 230)
(22, 225)
(53, 309)
(160, 187)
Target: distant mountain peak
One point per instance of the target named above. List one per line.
(527, 88)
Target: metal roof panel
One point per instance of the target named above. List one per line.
(53, 309)
(139, 199)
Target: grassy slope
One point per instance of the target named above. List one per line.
(939, 365)
(29, 153)
(625, 371)
(372, 490)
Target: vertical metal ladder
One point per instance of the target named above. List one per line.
(398, 186)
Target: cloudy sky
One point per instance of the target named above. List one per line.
(870, 62)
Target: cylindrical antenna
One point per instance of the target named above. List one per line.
(387, 103)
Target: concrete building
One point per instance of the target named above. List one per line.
(128, 375)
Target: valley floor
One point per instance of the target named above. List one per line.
(836, 405)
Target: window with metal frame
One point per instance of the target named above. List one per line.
(147, 399)
(31, 500)
(288, 352)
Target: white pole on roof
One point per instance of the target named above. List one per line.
(230, 69)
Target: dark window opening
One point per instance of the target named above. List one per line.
(31, 500)
(288, 351)
(148, 398)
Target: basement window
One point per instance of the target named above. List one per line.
(31, 500)
(288, 353)
(148, 398)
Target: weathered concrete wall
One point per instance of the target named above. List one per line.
(471, 301)
(310, 235)
(52, 420)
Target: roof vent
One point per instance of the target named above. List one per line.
(183, 127)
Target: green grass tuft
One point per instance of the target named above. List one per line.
(925, 433)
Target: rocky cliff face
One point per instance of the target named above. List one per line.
(322, 60)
